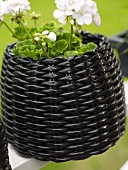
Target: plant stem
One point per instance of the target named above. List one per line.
(30, 36)
(70, 39)
(8, 28)
(43, 49)
(35, 23)
(11, 30)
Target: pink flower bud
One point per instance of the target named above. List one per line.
(97, 19)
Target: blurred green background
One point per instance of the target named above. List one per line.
(114, 15)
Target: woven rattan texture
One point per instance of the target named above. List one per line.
(4, 159)
(63, 109)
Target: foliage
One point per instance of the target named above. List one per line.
(50, 40)
(27, 48)
(60, 47)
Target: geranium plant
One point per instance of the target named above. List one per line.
(60, 102)
(50, 40)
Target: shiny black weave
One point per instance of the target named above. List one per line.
(4, 159)
(63, 109)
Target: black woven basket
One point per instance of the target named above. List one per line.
(63, 109)
(4, 159)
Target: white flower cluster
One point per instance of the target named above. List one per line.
(1, 11)
(83, 11)
(13, 6)
(50, 35)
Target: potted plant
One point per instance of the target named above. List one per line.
(62, 92)
(120, 43)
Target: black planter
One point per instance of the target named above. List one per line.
(4, 158)
(120, 43)
(63, 109)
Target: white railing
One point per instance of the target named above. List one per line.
(21, 163)
(125, 166)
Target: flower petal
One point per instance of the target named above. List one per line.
(16, 5)
(68, 12)
(89, 2)
(52, 36)
(57, 13)
(97, 19)
(1, 17)
(62, 19)
(75, 4)
(80, 21)
(61, 4)
(87, 19)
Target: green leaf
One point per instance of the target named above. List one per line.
(60, 28)
(83, 49)
(63, 35)
(25, 42)
(16, 52)
(26, 51)
(32, 30)
(76, 42)
(59, 36)
(66, 36)
(86, 47)
(49, 43)
(60, 47)
(91, 46)
(26, 48)
(68, 54)
(50, 26)
(21, 33)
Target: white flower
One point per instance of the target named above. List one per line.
(36, 34)
(94, 8)
(36, 38)
(43, 44)
(97, 19)
(83, 16)
(2, 11)
(18, 5)
(87, 14)
(60, 15)
(4, 7)
(72, 22)
(52, 36)
(1, 17)
(83, 11)
(45, 32)
(89, 2)
(95, 14)
(75, 4)
(61, 4)
(63, 11)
